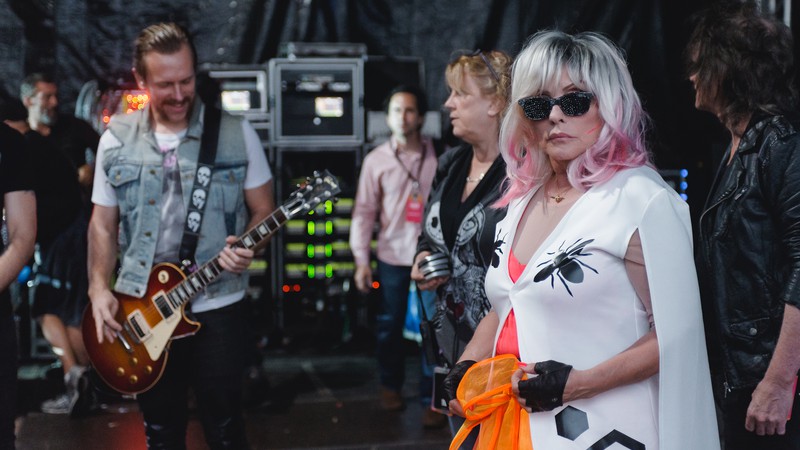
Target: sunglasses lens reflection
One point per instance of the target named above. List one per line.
(575, 105)
(536, 108)
(572, 104)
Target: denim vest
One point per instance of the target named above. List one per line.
(135, 171)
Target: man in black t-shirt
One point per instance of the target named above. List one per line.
(72, 136)
(18, 201)
(58, 192)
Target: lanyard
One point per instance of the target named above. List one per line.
(414, 179)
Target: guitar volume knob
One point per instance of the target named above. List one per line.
(120, 372)
(133, 379)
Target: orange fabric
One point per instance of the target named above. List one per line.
(486, 396)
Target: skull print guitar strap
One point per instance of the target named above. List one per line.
(200, 189)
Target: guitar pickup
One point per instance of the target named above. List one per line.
(163, 306)
(137, 326)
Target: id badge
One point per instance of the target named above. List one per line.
(414, 208)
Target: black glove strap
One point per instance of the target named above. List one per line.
(453, 379)
(545, 390)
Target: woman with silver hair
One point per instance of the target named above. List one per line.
(593, 256)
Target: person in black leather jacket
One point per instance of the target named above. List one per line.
(741, 66)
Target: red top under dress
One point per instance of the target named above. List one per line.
(507, 343)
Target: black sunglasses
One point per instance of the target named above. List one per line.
(572, 104)
(456, 55)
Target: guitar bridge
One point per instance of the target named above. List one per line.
(137, 327)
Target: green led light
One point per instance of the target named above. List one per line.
(310, 250)
(311, 226)
(328, 250)
(311, 271)
(328, 227)
(328, 271)
(328, 206)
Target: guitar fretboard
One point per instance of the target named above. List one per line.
(198, 280)
(322, 187)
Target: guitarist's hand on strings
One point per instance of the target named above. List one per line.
(104, 307)
(234, 259)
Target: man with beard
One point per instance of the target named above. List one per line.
(76, 138)
(147, 163)
(66, 146)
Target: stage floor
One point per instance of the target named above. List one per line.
(311, 401)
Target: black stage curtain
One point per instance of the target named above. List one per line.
(81, 40)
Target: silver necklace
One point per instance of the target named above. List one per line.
(476, 179)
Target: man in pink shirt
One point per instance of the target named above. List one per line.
(395, 182)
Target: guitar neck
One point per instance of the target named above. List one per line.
(322, 187)
(198, 280)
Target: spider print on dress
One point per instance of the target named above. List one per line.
(565, 265)
(497, 250)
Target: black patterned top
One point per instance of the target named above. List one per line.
(466, 232)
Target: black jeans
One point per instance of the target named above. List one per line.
(212, 364)
(734, 435)
(8, 374)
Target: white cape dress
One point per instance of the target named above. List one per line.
(583, 310)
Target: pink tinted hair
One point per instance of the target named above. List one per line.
(596, 65)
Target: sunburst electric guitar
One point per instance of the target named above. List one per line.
(134, 361)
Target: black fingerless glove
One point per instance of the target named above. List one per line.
(452, 380)
(545, 391)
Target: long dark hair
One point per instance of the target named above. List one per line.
(743, 60)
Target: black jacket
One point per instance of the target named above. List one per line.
(749, 251)
(465, 231)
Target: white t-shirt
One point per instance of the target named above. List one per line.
(258, 171)
(173, 214)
